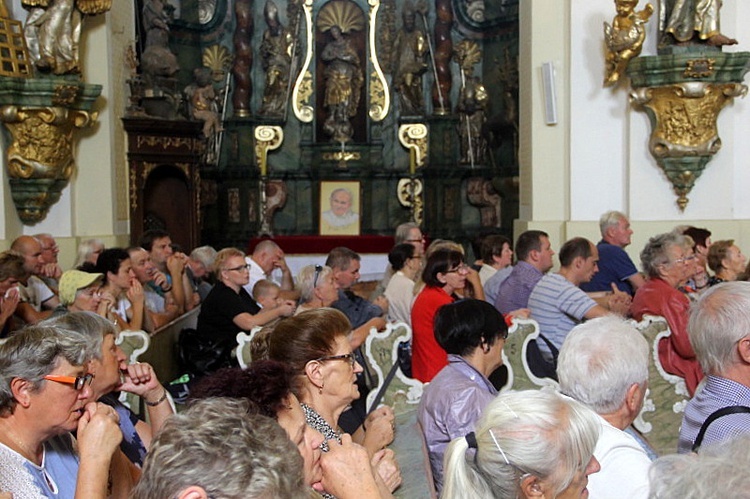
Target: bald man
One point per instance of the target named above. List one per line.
(37, 299)
(266, 257)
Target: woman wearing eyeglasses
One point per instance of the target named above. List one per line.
(444, 274)
(45, 394)
(473, 333)
(228, 309)
(113, 374)
(669, 262)
(316, 346)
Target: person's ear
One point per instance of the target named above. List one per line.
(531, 486)
(22, 390)
(193, 492)
(633, 397)
(743, 349)
(314, 373)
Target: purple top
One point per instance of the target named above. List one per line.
(515, 290)
(451, 405)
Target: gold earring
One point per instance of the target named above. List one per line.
(320, 390)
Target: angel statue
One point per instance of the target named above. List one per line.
(343, 71)
(624, 38)
(53, 32)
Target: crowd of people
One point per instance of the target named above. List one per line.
(294, 423)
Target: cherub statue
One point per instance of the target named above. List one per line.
(53, 32)
(624, 38)
(202, 101)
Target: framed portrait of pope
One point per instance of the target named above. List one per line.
(339, 208)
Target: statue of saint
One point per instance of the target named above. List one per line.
(684, 21)
(408, 63)
(276, 51)
(53, 32)
(473, 101)
(157, 61)
(344, 80)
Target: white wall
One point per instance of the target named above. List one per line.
(610, 165)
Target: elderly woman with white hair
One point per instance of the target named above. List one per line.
(528, 444)
(603, 364)
(669, 262)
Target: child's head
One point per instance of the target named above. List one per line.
(266, 293)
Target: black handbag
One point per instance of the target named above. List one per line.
(541, 367)
(200, 355)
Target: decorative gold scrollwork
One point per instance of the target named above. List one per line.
(267, 138)
(414, 137)
(380, 99)
(303, 85)
(699, 68)
(409, 193)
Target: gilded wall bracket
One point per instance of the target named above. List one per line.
(413, 137)
(303, 85)
(43, 118)
(683, 96)
(267, 138)
(380, 99)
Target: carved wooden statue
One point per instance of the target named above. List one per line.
(53, 32)
(276, 51)
(473, 101)
(409, 64)
(696, 21)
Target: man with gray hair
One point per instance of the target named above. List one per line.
(615, 266)
(216, 449)
(198, 270)
(603, 364)
(719, 330)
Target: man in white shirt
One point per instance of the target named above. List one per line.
(37, 299)
(603, 364)
(267, 257)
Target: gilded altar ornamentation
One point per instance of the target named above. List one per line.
(40, 158)
(409, 193)
(699, 68)
(414, 138)
(684, 135)
(304, 84)
(380, 99)
(218, 59)
(267, 138)
(624, 38)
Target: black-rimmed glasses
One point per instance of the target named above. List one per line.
(240, 268)
(461, 268)
(346, 356)
(318, 270)
(78, 382)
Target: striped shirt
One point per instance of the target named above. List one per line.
(557, 305)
